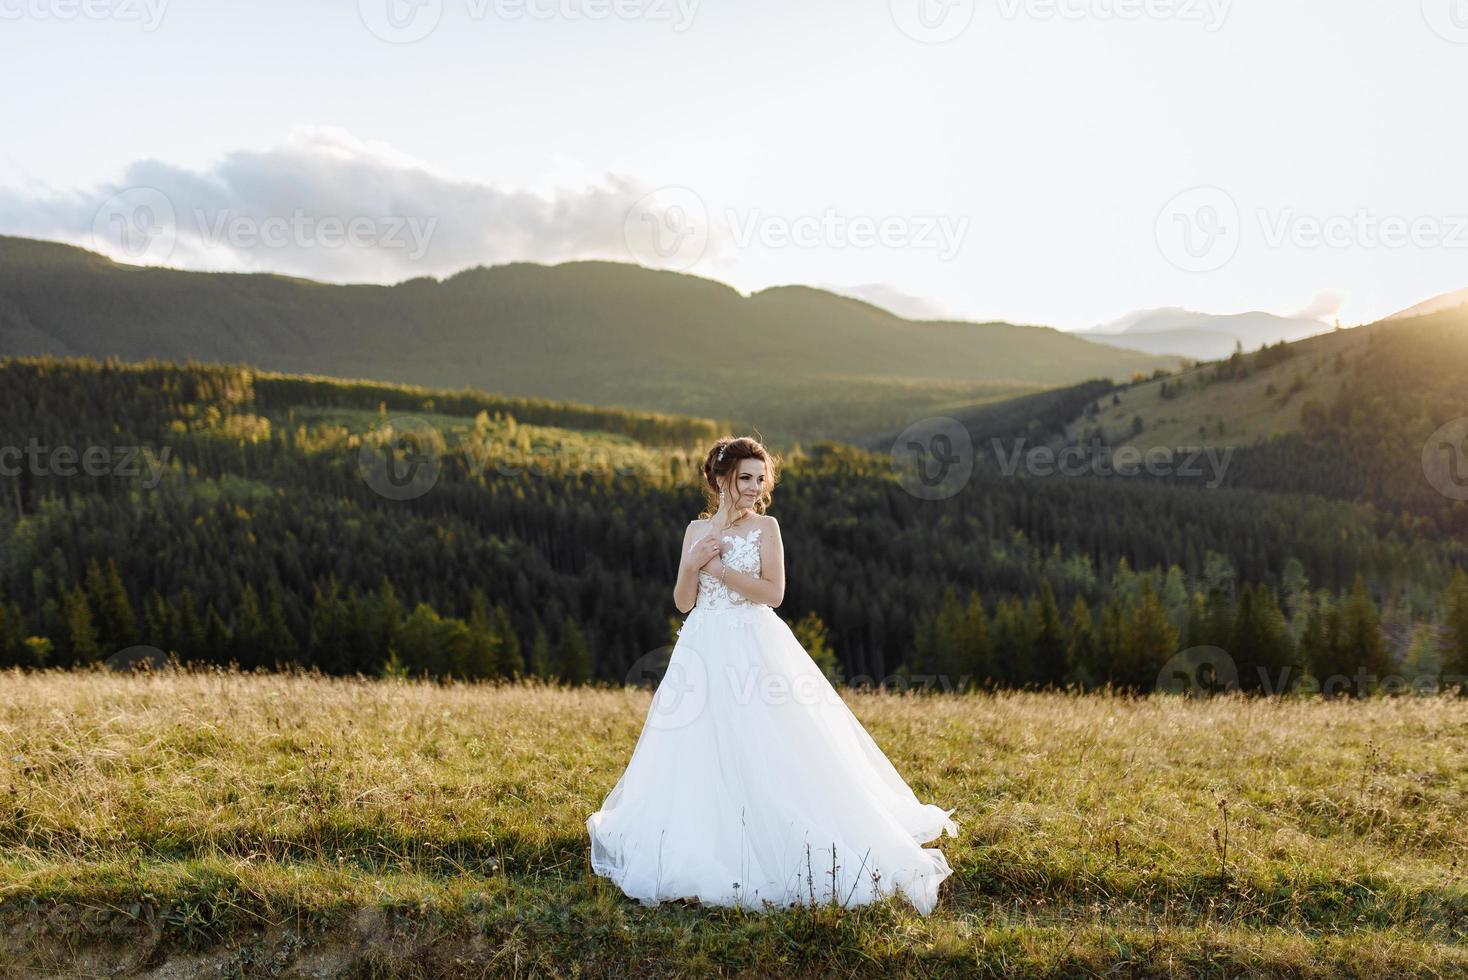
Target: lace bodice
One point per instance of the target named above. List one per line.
(742, 557)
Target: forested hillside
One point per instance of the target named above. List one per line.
(798, 362)
(547, 543)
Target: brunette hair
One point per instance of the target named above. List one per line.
(723, 458)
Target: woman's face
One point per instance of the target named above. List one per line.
(749, 482)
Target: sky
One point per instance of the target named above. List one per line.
(1056, 162)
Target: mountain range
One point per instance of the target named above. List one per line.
(801, 362)
(1202, 336)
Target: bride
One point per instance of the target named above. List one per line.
(752, 784)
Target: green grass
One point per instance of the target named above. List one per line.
(1228, 413)
(301, 825)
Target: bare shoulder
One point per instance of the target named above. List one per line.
(768, 522)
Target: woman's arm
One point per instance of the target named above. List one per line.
(769, 588)
(685, 590)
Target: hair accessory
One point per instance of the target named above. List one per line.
(721, 453)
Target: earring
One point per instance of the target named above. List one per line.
(721, 500)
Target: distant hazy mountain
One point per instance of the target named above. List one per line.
(1204, 336)
(891, 299)
(1446, 301)
(792, 359)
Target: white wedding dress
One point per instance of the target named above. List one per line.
(751, 775)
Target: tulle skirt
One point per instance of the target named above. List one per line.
(752, 783)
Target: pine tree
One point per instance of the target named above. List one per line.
(280, 647)
(978, 662)
(1083, 649)
(1112, 643)
(191, 642)
(216, 636)
(1049, 639)
(509, 662)
(162, 622)
(80, 635)
(573, 656)
(540, 655)
(1148, 638)
(1314, 654)
(1260, 643)
(815, 640)
(1362, 644)
(247, 640)
(480, 656)
(1011, 648)
(1455, 652)
(13, 649)
(952, 642)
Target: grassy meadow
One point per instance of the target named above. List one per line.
(226, 824)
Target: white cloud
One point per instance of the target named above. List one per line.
(326, 205)
(1324, 306)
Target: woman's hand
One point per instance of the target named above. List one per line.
(704, 550)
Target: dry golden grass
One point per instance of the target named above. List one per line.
(408, 825)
